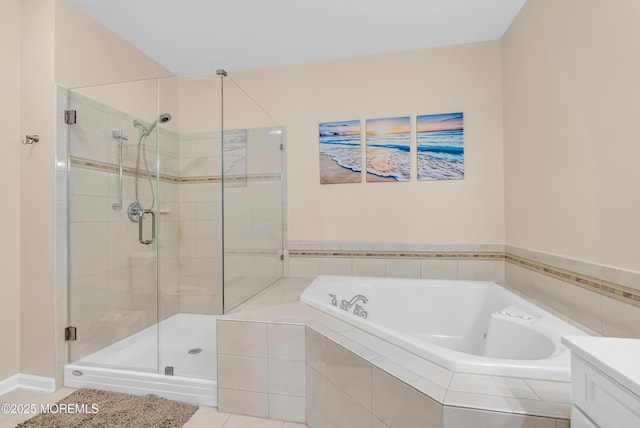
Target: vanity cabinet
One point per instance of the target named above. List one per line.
(604, 388)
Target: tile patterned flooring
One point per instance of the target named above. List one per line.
(205, 417)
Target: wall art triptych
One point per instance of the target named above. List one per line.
(439, 149)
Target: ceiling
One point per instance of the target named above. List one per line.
(196, 36)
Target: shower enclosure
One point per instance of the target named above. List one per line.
(175, 193)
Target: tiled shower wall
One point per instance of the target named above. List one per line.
(112, 276)
(200, 224)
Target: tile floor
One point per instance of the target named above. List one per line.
(205, 417)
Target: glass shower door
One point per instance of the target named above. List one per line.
(113, 282)
(253, 196)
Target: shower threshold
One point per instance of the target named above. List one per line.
(187, 349)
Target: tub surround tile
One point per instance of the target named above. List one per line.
(439, 269)
(247, 339)
(619, 319)
(303, 267)
(473, 261)
(582, 305)
(471, 400)
(285, 407)
(242, 373)
(548, 390)
(286, 377)
(377, 423)
(369, 267)
(477, 270)
(430, 389)
(350, 373)
(491, 385)
(403, 268)
(293, 425)
(396, 369)
(586, 281)
(334, 266)
(243, 402)
(437, 374)
(344, 411)
(398, 405)
(455, 417)
(354, 347)
(317, 418)
(540, 408)
(371, 342)
(337, 357)
(316, 393)
(286, 342)
(316, 350)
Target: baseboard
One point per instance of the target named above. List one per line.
(25, 381)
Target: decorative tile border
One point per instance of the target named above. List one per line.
(108, 167)
(399, 254)
(610, 289)
(126, 170)
(607, 288)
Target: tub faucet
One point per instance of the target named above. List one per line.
(347, 305)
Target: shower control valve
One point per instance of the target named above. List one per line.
(135, 212)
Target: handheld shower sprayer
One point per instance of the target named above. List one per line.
(136, 211)
(163, 118)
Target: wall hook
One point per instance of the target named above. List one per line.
(30, 139)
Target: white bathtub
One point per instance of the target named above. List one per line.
(465, 326)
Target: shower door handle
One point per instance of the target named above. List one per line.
(153, 228)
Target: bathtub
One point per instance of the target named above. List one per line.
(465, 326)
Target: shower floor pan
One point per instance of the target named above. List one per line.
(133, 365)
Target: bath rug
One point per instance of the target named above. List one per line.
(90, 408)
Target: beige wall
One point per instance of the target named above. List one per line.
(463, 78)
(58, 44)
(87, 53)
(9, 188)
(571, 90)
(36, 179)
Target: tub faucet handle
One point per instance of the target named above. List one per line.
(359, 311)
(334, 300)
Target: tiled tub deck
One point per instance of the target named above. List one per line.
(280, 358)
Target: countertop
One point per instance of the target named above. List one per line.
(618, 358)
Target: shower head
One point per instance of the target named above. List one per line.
(163, 118)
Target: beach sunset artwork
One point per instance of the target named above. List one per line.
(440, 142)
(388, 147)
(340, 152)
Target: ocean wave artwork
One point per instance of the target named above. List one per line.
(440, 146)
(388, 149)
(340, 152)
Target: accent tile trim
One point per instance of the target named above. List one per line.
(236, 179)
(601, 286)
(399, 254)
(606, 288)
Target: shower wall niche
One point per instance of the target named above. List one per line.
(213, 188)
